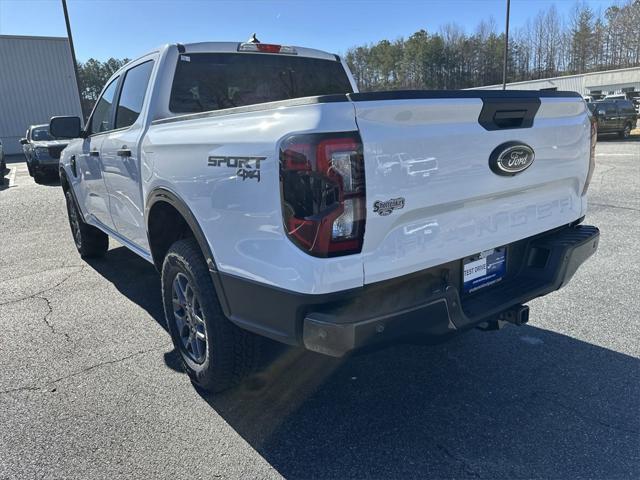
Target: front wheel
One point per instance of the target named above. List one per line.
(90, 242)
(626, 132)
(215, 353)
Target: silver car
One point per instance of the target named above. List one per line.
(42, 151)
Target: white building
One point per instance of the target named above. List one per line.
(597, 83)
(37, 81)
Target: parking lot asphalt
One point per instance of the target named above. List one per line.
(90, 386)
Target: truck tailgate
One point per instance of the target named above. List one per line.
(431, 194)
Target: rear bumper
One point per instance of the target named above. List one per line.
(429, 302)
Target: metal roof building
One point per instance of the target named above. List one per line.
(598, 83)
(37, 81)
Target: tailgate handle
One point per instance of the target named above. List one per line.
(503, 113)
(509, 118)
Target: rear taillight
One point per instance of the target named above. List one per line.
(323, 192)
(592, 152)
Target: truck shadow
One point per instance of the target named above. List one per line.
(520, 403)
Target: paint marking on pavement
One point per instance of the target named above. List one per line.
(616, 154)
(12, 176)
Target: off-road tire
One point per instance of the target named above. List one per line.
(231, 353)
(90, 241)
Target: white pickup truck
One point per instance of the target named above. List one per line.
(277, 201)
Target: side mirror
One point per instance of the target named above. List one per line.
(23, 141)
(65, 127)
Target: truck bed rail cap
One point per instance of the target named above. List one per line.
(481, 94)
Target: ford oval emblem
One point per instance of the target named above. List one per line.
(511, 158)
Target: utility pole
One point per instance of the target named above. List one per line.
(506, 49)
(73, 56)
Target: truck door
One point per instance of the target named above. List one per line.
(120, 152)
(91, 190)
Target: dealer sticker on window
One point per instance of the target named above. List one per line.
(484, 269)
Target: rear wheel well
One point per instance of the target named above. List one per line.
(165, 225)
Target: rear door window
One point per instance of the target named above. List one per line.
(132, 94)
(212, 81)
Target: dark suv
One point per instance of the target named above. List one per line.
(614, 116)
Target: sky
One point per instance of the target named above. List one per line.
(128, 28)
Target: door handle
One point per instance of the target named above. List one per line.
(94, 153)
(123, 152)
(72, 160)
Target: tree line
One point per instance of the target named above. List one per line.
(548, 45)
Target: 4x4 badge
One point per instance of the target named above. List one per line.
(246, 167)
(385, 208)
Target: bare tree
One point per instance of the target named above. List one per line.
(547, 45)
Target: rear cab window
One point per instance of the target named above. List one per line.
(132, 94)
(213, 81)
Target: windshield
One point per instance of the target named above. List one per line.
(40, 134)
(211, 81)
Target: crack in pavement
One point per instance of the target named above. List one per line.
(84, 370)
(45, 319)
(19, 389)
(614, 206)
(10, 279)
(38, 294)
(605, 173)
